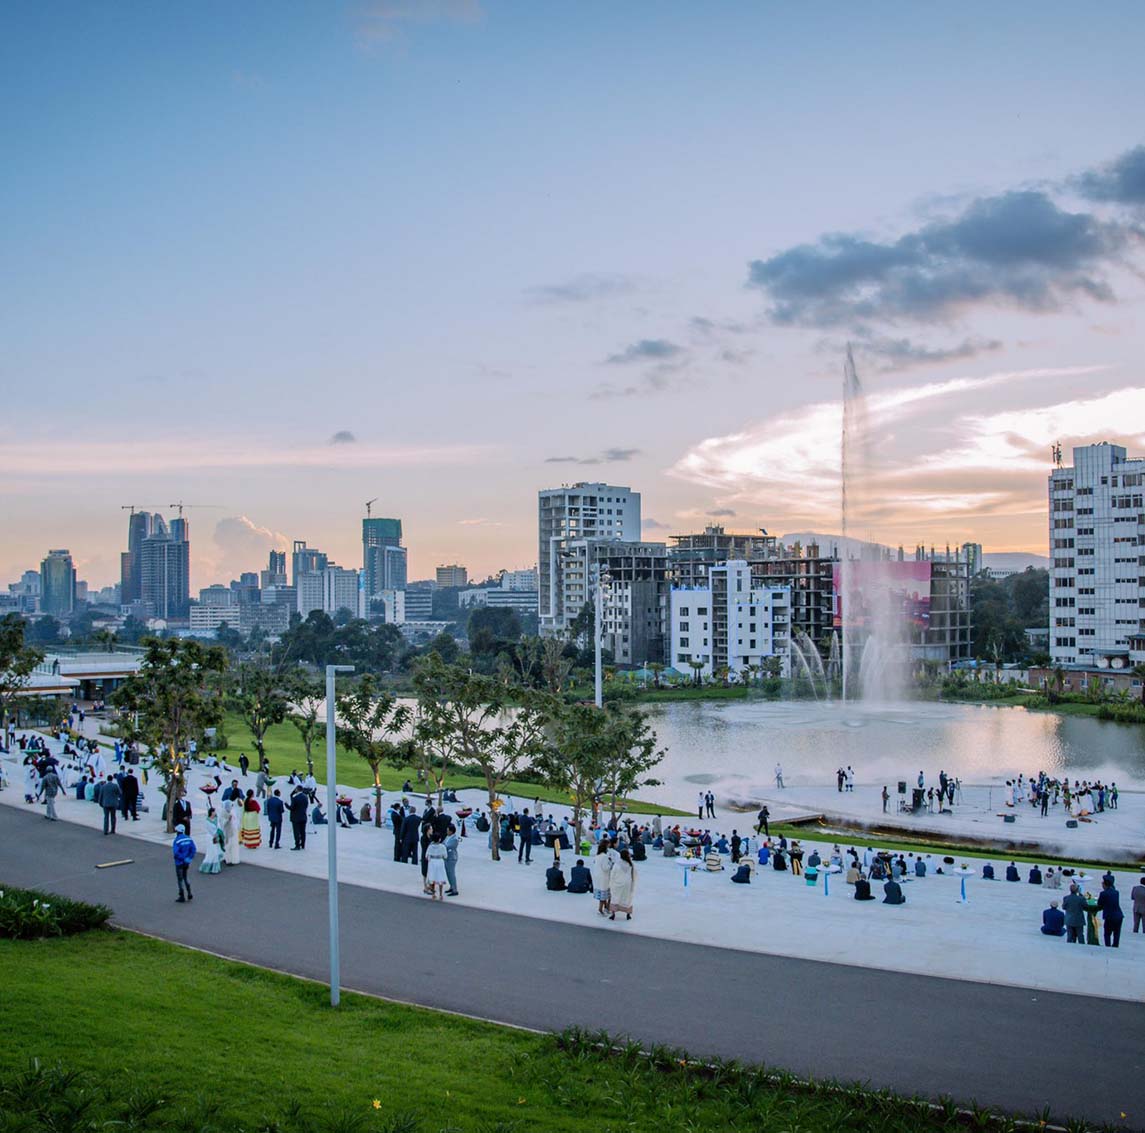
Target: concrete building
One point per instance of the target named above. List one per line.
(1097, 549)
(165, 569)
(452, 575)
(331, 589)
(519, 579)
(218, 595)
(729, 624)
(418, 604)
(305, 560)
(582, 511)
(58, 584)
(275, 572)
(691, 556)
(972, 557)
(140, 525)
(384, 559)
(393, 606)
(499, 597)
(207, 619)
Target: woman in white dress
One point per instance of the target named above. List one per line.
(435, 875)
(622, 885)
(231, 832)
(213, 851)
(601, 870)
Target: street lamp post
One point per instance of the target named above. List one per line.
(332, 831)
(598, 632)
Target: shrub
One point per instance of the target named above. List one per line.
(28, 914)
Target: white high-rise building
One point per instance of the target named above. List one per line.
(577, 512)
(729, 624)
(331, 589)
(1097, 552)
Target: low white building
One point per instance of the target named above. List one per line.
(393, 604)
(207, 619)
(728, 623)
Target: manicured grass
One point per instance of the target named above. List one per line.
(834, 832)
(231, 1047)
(285, 751)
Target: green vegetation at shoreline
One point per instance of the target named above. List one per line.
(213, 1044)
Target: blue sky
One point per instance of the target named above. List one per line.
(487, 238)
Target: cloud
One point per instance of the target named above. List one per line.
(719, 512)
(646, 350)
(1121, 181)
(380, 22)
(609, 456)
(343, 437)
(582, 288)
(710, 328)
(237, 544)
(960, 458)
(479, 521)
(650, 524)
(891, 354)
(1017, 249)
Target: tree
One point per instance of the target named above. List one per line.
(655, 668)
(17, 662)
(577, 758)
(583, 626)
(306, 696)
(496, 729)
(173, 698)
(445, 646)
(1139, 673)
(370, 721)
(259, 697)
(44, 631)
(629, 754)
(697, 668)
(491, 628)
(229, 637)
(106, 638)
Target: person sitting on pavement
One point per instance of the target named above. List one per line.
(555, 879)
(919, 867)
(1035, 875)
(778, 861)
(1053, 920)
(742, 875)
(853, 875)
(987, 872)
(893, 892)
(764, 853)
(713, 863)
(670, 850)
(863, 890)
(1053, 878)
(814, 860)
(1012, 873)
(580, 878)
(317, 817)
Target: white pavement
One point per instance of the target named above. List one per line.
(993, 939)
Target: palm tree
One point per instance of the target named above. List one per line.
(655, 668)
(697, 667)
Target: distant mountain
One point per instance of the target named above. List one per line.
(1015, 560)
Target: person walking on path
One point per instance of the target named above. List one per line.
(299, 808)
(622, 886)
(779, 775)
(761, 825)
(1109, 905)
(261, 783)
(231, 839)
(275, 809)
(452, 847)
(111, 799)
(50, 785)
(183, 851)
(213, 855)
(251, 830)
(244, 763)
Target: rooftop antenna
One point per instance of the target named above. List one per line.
(370, 504)
(1056, 451)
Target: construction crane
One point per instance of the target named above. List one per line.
(370, 504)
(180, 506)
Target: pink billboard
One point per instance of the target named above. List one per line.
(870, 588)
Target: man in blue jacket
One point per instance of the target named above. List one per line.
(183, 851)
(525, 850)
(1053, 921)
(275, 809)
(1109, 905)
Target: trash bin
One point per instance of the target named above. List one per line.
(902, 786)
(918, 799)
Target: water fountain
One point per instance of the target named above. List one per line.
(810, 663)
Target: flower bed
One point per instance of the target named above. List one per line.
(28, 914)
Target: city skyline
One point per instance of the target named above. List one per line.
(335, 254)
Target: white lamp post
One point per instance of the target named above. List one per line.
(332, 831)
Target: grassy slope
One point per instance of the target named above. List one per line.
(285, 751)
(203, 1030)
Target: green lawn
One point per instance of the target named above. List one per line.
(231, 1047)
(285, 751)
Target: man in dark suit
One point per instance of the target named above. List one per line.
(525, 851)
(1012, 873)
(182, 810)
(1074, 907)
(580, 878)
(111, 799)
(1053, 921)
(1109, 905)
(411, 825)
(129, 788)
(275, 809)
(299, 807)
(893, 892)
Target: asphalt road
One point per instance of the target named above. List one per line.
(1006, 1047)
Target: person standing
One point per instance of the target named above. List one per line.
(710, 802)
(736, 843)
(251, 831)
(621, 886)
(452, 848)
(244, 763)
(275, 809)
(261, 783)
(886, 798)
(111, 799)
(435, 876)
(396, 817)
(50, 785)
(231, 841)
(700, 806)
(213, 854)
(850, 776)
(129, 788)
(1137, 896)
(525, 850)
(183, 851)
(183, 814)
(1075, 909)
(779, 775)
(601, 876)
(1109, 906)
(299, 807)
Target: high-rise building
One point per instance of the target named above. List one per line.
(1097, 575)
(140, 525)
(275, 573)
(453, 575)
(330, 589)
(519, 579)
(58, 584)
(383, 557)
(972, 557)
(165, 569)
(305, 560)
(580, 511)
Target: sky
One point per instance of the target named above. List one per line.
(275, 259)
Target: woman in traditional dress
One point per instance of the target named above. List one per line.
(213, 850)
(622, 885)
(435, 875)
(251, 830)
(231, 831)
(601, 869)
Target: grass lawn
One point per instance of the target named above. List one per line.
(285, 751)
(231, 1047)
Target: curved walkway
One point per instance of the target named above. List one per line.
(1001, 1046)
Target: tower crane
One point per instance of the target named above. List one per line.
(370, 504)
(180, 506)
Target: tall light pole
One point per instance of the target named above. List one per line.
(332, 832)
(598, 631)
